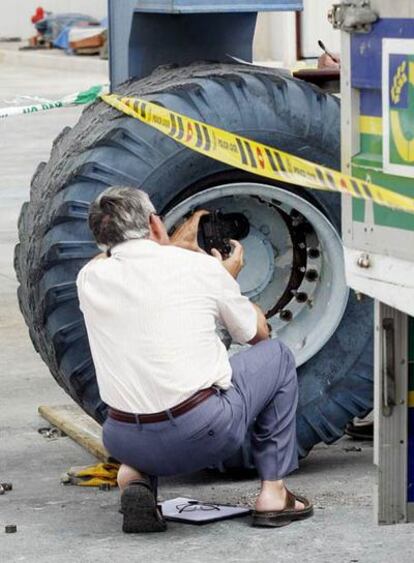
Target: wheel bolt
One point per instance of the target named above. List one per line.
(314, 253)
(311, 275)
(301, 297)
(286, 315)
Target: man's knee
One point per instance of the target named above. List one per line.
(288, 354)
(280, 352)
(284, 360)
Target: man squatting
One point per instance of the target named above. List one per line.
(177, 404)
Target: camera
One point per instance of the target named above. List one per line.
(217, 228)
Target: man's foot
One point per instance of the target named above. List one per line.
(276, 506)
(139, 507)
(296, 508)
(269, 500)
(126, 474)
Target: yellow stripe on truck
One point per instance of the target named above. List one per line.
(370, 125)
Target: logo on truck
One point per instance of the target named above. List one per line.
(398, 106)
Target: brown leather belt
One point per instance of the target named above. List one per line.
(178, 410)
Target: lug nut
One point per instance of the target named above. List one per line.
(296, 222)
(286, 315)
(314, 253)
(301, 297)
(311, 275)
(7, 486)
(364, 261)
(10, 529)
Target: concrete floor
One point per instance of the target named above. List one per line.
(67, 524)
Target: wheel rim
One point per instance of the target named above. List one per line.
(294, 265)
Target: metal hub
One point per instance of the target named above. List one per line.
(293, 261)
(259, 264)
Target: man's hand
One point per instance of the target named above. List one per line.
(185, 236)
(235, 262)
(328, 61)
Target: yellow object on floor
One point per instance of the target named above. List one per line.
(92, 475)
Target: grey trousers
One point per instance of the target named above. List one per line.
(263, 398)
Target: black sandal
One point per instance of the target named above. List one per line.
(140, 510)
(279, 518)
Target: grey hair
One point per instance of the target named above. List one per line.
(119, 214)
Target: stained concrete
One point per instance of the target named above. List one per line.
(67, 524)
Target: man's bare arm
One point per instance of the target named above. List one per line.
(263, 332)
(234, 265)
(185, 236)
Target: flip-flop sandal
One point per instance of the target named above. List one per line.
(140, 510)
(279, 518)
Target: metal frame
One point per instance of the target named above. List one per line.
(194, 6)
(190, 31)
(380, 263)
(386, 253)
(391, 405)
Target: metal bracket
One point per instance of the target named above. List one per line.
(388, 367)
(391, 414)
(353, 16)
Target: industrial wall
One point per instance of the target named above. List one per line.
(315, 25)
(275, 36)
(16, 14)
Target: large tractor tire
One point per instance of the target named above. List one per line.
(294, 264)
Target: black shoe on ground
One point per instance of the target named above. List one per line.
(360, 430)
(139, 507)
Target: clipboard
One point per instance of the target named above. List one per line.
(191, 511)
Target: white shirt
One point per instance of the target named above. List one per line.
(151, 314)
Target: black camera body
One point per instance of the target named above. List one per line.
(217, 229)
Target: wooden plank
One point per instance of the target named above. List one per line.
(79, 426)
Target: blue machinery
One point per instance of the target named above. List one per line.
(145, 34)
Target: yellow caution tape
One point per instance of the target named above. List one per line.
(251, 156)
(75, 99)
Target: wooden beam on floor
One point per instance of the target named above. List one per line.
(79, 426)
